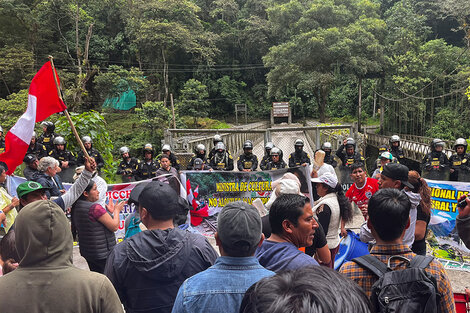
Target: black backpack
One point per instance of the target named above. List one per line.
(409, 290)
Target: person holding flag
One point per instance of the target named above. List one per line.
(43, 101)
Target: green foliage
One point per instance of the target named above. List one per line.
(193, 101)
(449, 125)
(157, 117)
(117, 80)
(11, 108)
(93, 124)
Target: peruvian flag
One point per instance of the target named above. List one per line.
(198, 211)
(43, 101)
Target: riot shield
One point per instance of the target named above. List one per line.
(436, 173)
(464, 175)
(344, 177)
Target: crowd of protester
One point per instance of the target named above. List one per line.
(278, 259)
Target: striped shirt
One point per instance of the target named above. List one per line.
(365, 279)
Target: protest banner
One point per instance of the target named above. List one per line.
(443, 239)
(208, 192)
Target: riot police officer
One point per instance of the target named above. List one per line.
(92, 152)
(66, 158)
(216, 140)
(299, 157)
(2, 141)
(267, 156)
(350, 156)
(222, 160)
(396, 150)
(148, 167)
(166, 149)
(276, 161)
(247, 162)
(199, 153)
(47, 138)
(459, 167)
(128, 166)
(329, 159)
(35, 148)
(435, 163)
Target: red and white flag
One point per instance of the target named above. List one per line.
(43, 101)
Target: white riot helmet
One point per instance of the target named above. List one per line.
(87, 139)
(123, 150)
(326, 145)
(166, 147)
(59, 140)
(460, 142)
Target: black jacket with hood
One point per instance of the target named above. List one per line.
(46, 280)
(148, 268)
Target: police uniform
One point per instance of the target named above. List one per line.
(173, 160)
(2, 145)
(92, 153)
(146, 170)
(297, 159)
(347, 159)
(264, 162)
(37, 149)
(329, 159)
(63, 156)
(398, 154)
(247, 162)
(435, 161)
(275, 165)
(128, 170)
(222, 163)
(47, 140)
(460, 164)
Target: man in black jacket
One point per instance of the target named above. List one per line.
(148, 268)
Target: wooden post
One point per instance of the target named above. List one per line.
(74, 131)
(173, 110)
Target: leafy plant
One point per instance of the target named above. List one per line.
(91, 124)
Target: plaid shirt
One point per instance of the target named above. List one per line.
(366, 279)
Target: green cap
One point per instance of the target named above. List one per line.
(29, 186)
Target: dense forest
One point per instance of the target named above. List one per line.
(406, 61)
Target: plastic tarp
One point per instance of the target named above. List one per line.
(126, 101)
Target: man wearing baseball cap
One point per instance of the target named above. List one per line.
(31, 172)
(148, 268)
(224, 284)
(395, 176)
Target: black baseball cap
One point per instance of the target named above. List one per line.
(135, 193)
(239, 226)
(29, 158)
(198, 163)
(397, 171)
(160, 200)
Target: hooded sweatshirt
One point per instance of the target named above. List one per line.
(46, 280)
(148, 268)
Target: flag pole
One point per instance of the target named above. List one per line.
(67, 115)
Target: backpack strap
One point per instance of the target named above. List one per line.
(371, 263)
(421, 261)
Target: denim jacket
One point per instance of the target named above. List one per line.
(221, 287)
